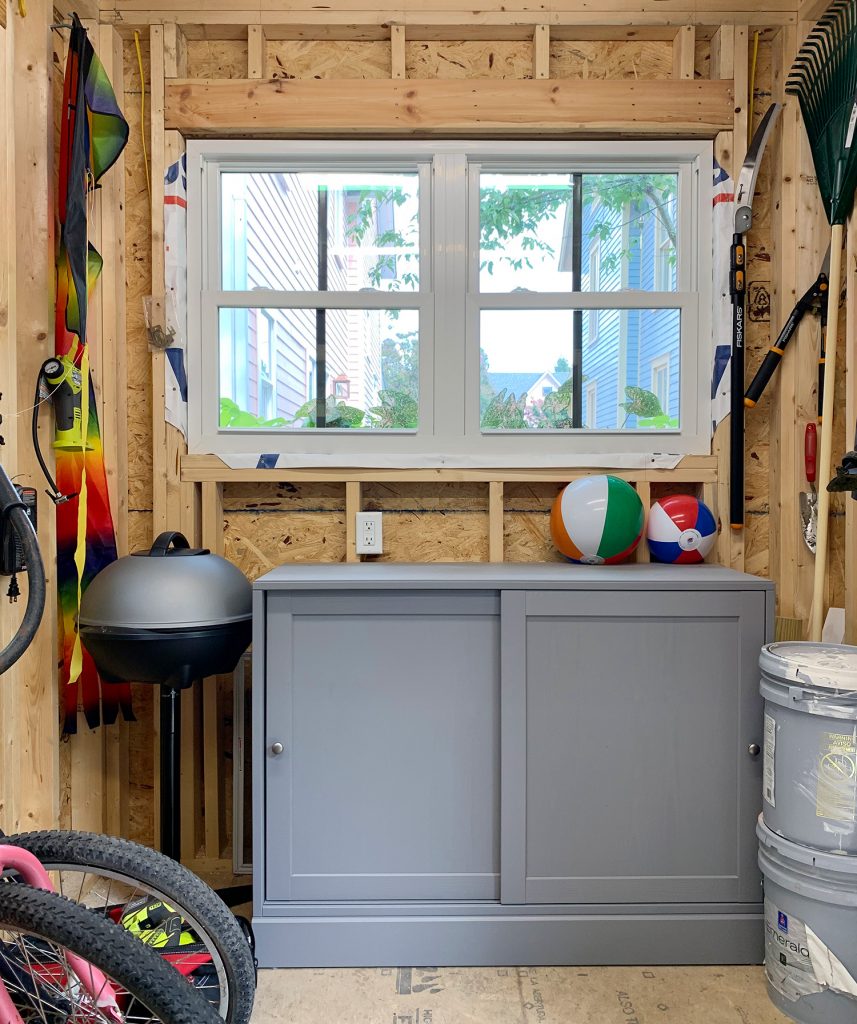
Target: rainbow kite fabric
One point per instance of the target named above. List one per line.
(93, 134)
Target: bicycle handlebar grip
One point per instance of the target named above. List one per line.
(758, 384)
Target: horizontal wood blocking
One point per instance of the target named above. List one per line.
(199, 107)
(449, 19)
(209, 468)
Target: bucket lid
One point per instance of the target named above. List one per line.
(836, 862)
(830, 667)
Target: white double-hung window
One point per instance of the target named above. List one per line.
(441, 303)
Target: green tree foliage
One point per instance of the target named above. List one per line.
(400, 363)
(505, 412)
(337, 415)
(562, 365)
(232, 415)
(396, 411)
(646, 406)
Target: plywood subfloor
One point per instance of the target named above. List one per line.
(509, 995)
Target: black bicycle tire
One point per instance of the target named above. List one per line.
(179, 886)
(103, 944)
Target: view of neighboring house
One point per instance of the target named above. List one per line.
(274, 227)
(536, 386)
(621, 348)
(268, 357)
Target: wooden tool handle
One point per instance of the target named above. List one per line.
(816, 621)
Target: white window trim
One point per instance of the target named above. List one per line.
(591, 397)
(592, 316)
(659, 364)
(449, 430)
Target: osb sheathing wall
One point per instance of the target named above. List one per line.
(267, 524)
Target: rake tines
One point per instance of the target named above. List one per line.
(824, 79)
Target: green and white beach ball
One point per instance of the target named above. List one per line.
(597, 520)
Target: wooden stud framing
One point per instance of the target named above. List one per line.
(541, 51)
(787, 549)
(255, 51)
(28, 696)
(317, 107)
(212, 538)
(353, 504)
(397, 52)
(114, 423)
(684, 52)
(156, 163)
(729, 60)
(495, 521)
(644, 490)
(10, 802)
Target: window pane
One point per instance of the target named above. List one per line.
(626, 238)
(369, 231)
(525, 232)
(270, 361)
(629, 361)
(629, 231)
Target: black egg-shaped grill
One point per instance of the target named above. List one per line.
(167, 616)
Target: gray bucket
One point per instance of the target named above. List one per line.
(809, 786)
(810, 930)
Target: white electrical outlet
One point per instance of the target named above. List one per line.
(370, 537)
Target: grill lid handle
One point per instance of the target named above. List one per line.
(179, 543)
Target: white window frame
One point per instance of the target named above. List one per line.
(270, 376)
(661, 364)
(593, 270)
(449, 431)
(591, 402)
(662, 246)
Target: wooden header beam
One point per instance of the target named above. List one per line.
(199, 107)
(440, 25)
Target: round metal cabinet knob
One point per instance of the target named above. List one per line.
(277, 749)
(754, 750)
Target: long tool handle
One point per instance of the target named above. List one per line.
(816, 621)
(822, 354)
(736, 419)
(772, 359)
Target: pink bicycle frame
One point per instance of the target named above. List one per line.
(33, 874)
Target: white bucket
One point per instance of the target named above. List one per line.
(810, 930)
(810, 769)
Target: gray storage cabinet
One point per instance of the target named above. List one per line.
(507, 764)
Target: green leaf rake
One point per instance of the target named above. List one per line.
(824, 79)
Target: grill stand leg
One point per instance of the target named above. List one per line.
(170, 780)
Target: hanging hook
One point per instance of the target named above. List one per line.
(57, 25)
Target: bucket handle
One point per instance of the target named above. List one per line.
(164, 540)
(800, 696)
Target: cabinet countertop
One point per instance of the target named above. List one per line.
(505, 576)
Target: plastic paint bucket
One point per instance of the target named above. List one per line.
(810, 930)
(810, 771)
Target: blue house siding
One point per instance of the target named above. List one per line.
(630, 341)
(601, 353)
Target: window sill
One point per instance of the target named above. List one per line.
(678, 469)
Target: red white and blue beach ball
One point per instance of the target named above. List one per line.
(681, 530)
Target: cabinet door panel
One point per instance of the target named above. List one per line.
(639, 712)
(388, 708)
